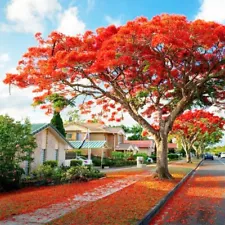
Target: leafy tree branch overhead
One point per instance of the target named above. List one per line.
(152, 69)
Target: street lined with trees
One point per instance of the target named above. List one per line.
(154, 68)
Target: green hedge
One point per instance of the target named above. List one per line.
(46, 175)
(52, 163)
(173, 156)
(144, 155)
(76, 162)
(116, 162)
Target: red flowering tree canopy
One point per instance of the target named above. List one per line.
(198, 124)
(149, 68)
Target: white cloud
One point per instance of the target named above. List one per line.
(115, 21)
(4, 57)
(90, 5)
(69, 23)
(212, 10)
(17, 102)
(29, 15)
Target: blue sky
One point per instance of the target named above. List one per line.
(21, 19)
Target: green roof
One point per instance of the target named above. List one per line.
(35, 128)
(88, 144)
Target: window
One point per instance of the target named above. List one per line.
(57, 154)
(78, 136)
(69, 135)
(43, 155)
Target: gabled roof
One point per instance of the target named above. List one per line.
(115, 130)
(95, 128)
(38, 127)
(142, 143)
(88, 144)
(127, 146)
(148, 143)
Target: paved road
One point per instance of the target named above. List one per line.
(200, 201)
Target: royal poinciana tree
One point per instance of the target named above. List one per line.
(207, 140)
(197, 128)
(147, 68)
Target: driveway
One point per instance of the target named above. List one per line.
(200, 201)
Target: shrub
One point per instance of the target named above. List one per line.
(52, 163)
(10, 177)
(76, 162)
(43, 171)
(82, 173)
(173, 156)
(153, 156)
(117, 155)
(45, 174)
(108, 162)
(144, 155)
(96, 161)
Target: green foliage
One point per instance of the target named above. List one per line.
(72, 154)
(153, 156)
(173, 156)
(52, 163)
(135, 131)
(118, 160)
(117, 155)
(96, 161)
(16, 146)
(45, 175)
(216, 149)
(59, 102)
(57, 122)
(43, 172)
(82, 173)
(10, 176)
(144, 155)
(74, 116)
(75, 162)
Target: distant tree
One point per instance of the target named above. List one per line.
(135, 131)
(16, 145)
(197, 129)
(74, 116)
(57, 122)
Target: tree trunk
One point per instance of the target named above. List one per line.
(162, 170)
(197, 155)
(188, 157)
(196, 151)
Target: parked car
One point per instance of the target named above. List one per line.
(222, 155)
(85, 161)
(150, 160)
(208, 156)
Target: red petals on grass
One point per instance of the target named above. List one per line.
(29, 199)
(126, 206)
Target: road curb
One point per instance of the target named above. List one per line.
(151, 213)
